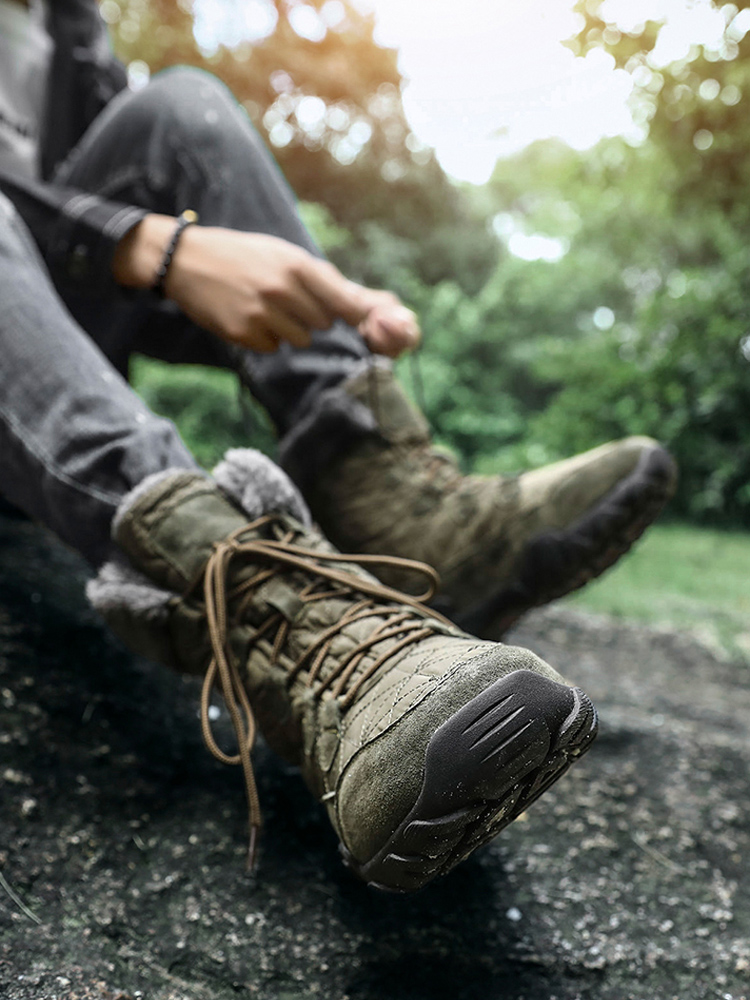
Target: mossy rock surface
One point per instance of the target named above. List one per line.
(125, 840)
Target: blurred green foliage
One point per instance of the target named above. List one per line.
(641, 327)
(207, 406)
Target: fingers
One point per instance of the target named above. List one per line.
(335, 293)
(266, 333)
(302, 306)
(385, 323)
(262, 341)
(264, 329)
(274, 291)
(284, 326)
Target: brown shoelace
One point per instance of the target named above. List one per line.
(401, 629)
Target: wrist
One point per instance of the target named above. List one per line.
(159, 286)
(140, 252)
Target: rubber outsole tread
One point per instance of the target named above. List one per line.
(495, 751)
(557, 563)
(467, 797)
(495, 728)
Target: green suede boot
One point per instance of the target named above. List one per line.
(500, 545)
(421, 741)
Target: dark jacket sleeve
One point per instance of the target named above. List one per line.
(76, 232)
(84, 77)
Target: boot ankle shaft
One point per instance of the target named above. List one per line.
(398, 421)
(169, 531)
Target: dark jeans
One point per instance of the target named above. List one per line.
(74, 439)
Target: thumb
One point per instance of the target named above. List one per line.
(384, 322)
(390, 328)
(342, 297)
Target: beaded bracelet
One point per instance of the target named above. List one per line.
(187, 218)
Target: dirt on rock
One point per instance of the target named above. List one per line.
(122, 840)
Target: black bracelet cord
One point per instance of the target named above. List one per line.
(186, 218)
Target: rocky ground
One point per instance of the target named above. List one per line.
(121, 840)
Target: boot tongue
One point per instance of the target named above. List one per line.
(168, 527)
(397, 419)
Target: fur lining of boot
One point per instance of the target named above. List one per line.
(248, 477)
(259, 486)
(119, 585)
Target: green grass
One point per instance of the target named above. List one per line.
(685, 578)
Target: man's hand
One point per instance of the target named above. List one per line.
(255, 290)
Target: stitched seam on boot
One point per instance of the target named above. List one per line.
(419, 697)
(432, 682)
(386, 696)
(385, 719)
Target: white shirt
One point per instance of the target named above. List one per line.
(25, 56)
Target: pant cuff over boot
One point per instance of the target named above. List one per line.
(334, 424)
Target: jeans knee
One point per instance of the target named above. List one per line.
(188, 81)
(194, 101)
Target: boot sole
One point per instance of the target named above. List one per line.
(557, 562)
(482, 768)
